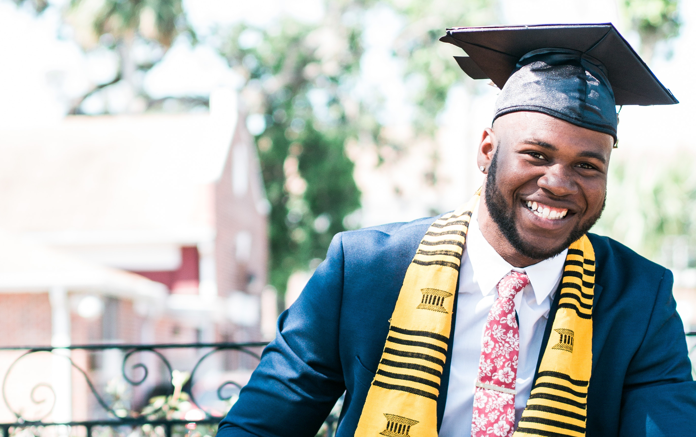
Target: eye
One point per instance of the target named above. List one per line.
(587, 166)
(537, 155)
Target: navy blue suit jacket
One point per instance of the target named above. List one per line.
(331, 340)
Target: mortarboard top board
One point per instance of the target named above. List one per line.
(495, 50)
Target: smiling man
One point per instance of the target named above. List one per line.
(504, 317)
(556, 173)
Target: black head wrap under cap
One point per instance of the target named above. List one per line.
(562, 83)
(563, 70)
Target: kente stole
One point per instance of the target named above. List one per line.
(402, 400)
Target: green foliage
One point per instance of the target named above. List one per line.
(38, 5)
(158, 20)
(430, 69)
(654, 20)
(299, 78)
(660, 17)
(123, 26)
(302, 79)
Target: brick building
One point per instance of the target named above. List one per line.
(133, 229)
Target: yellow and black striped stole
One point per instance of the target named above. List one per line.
(557, 406)
(402, 400)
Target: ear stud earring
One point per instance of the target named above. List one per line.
(482, 168)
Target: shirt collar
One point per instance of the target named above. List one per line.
(489, 267)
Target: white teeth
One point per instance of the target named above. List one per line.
(545, 212)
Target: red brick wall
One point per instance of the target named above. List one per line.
(85, 331)
(131, 324)
(26, 319)
(233, 215)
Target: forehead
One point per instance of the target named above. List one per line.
(523, 126)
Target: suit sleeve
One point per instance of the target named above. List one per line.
(659, 396)
(299, 377)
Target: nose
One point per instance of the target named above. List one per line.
(558, 181)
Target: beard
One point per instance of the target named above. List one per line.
(503, 216)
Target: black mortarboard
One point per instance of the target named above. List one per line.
(575, 72)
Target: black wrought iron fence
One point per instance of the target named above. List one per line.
(170, 402)
(156, 394)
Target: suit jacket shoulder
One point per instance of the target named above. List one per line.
(640, 360)
(394, 239)
(330, 339)
(615, 258)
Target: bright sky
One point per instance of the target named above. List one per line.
(35, 58)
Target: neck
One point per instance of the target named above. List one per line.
(491, 232)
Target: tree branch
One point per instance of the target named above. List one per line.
(187, 100)
(75, 106)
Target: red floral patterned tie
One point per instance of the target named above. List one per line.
(494, 400)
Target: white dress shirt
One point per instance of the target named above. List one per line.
(481, 270)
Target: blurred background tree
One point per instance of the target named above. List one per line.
(654, 20)
(300, 83)
(139, 31)
(652, 208)
(38, 5)
(297, 83)
(430, 70)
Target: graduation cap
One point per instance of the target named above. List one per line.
(575, 72)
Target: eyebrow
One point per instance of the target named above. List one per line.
(583, 154)
(540, 143)
(595, 155)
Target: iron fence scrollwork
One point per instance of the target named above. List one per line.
(164, 417)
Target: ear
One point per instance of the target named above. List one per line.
(486, 149)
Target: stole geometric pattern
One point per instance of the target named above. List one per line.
(565, 343)
(398, 426)
(494, 399)
(433, 300)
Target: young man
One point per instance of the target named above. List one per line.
(503, 316)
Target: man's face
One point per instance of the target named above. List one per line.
(546, 184)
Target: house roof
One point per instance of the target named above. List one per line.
(29, 267)
(113, 173)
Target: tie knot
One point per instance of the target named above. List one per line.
(512, 284)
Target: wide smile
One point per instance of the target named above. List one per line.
(545, 211)
(547, 217)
